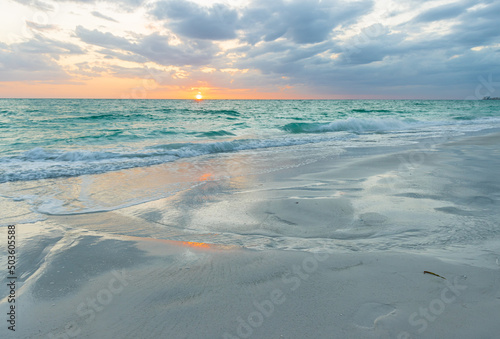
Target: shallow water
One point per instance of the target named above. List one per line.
(298, 175)
(47, 138)
(164, 211)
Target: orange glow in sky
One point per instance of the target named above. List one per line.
(298, 50)
(123, 88)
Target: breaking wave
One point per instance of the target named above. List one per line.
(349, 125)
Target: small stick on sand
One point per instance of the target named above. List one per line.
(437, 275)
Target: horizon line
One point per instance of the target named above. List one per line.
(233, 99)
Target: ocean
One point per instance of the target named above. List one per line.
(55, 138)
(63, 157)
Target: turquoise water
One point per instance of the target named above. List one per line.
(51, 138)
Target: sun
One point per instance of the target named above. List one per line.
(199, 96)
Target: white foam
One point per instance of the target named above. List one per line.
(40, 163)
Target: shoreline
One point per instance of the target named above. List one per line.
(332, 248)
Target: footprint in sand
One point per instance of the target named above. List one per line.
(369, 313)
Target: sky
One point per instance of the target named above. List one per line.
(250, 49)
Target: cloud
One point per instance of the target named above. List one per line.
(41, 27)
(42, 45)
(43, 6)
(442, 12)
(302, 22)
(156, 48)
(283, 57)
(131, 57)
(102, 39)
(30, 61)
(373, 44)
(381, 61)
(327, 47)
(153, 47)
(102, 16)
(477, 27)
(218, 22)
(40, 5)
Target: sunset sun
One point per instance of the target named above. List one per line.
(199, 96)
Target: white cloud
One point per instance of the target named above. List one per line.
(364, 46)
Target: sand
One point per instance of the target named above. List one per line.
(335, 248)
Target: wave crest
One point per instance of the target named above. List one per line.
(348, 125)
(40, 163)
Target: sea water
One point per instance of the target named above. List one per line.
(52, 138)
(65, 157)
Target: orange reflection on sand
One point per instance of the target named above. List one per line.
(146, 244)
(196, 244)
(205, 176)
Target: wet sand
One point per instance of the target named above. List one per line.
(335, 248)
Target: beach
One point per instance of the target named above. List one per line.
(392, 241)
(249, 169)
